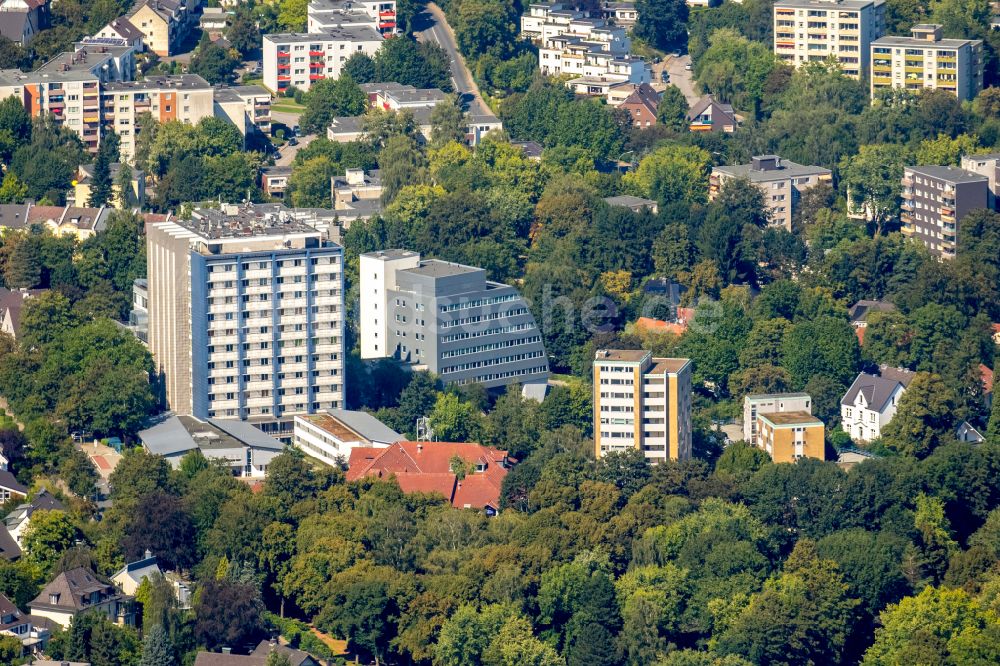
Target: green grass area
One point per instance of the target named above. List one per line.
(287, 105)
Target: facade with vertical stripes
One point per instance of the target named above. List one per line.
(246, 316)
(643, 403)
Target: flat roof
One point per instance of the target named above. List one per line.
(437, 268)
(627, 355)
(669, 366)
(785, 169)
(244, 221)
(628, 201)
(828, 4)
(350, 33)
(346, 424)
(780, 419)
(920, 42)
(772, 396)
(178, 81)
(948, 174)
(391, 254)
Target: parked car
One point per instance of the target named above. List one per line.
(687, 67)
(293, 141)
(665, 76)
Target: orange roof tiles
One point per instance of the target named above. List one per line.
(426, 467)
(987, 374)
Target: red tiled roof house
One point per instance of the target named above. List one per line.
(426, 467)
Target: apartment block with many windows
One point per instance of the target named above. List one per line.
(925, 60)
(788, 436)
(813, 30)
(246, 316)
(300, 59)
(643, 403)
(781, 181)
(449, 319)
(985, 164)
(935, 199)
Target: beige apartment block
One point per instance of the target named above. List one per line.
(813, 30)
(926, 61)
(643, 403)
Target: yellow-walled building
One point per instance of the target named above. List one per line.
(788, 436)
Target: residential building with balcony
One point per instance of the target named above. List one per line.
(300, 59)
(813, 30)
(770, 403)
(183, 97)
(781, 181)
(642, 402)
(985, 164)
(710, 115)
(246, 315)
(926, 61)
(935, 199)
(69, 87)
(449, 319)
(789, 436)
(78, 591)
(246, 107)
(621, 13)
(322, 15)
(541, 14)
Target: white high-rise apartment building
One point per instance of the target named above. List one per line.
(643, 403)
(812, 30)
(246, 316)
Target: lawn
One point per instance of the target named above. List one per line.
(287, 105)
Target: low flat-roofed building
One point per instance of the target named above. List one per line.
(634, 204)
(245, 449)
(331, 436)
(770, 403)
(788, 436)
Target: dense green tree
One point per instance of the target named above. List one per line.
(924, 418)
(243, 33)
(214, 64)
(331, 98)
(484, 26)
(662, 23)
(672, 109)
(873, 181)
(419, 65)
(360, 67)
(227, 613)
(48, 536)
(809, 601)
(930, 628)
(156, 648)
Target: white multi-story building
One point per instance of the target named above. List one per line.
(770, 403)
(323, 15)
(449, 319)
(330, 436)
(591, 50)
(813, 30)
(925, 60)
(300, 59)
(871, 402)
(246, 316)
(643, 403)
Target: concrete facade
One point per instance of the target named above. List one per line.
(300, 59)
(246, 316)
(789, 436)
(449, 319)
(780, 181)
(770, 403)
(926, 61)
(935, 199)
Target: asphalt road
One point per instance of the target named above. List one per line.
(431, 25)
(288, 153)
(679, 76)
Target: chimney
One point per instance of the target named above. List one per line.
(765, 163)
(420, 447)
(148, 554)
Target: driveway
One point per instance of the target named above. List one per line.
(679, 76)
(432, 26)
(288, 153)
